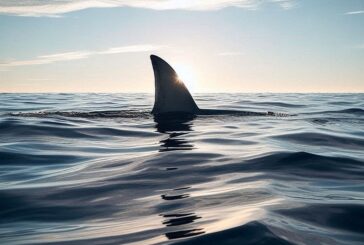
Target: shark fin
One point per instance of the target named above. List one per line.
(171, 95)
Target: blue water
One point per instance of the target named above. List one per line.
(99, 169)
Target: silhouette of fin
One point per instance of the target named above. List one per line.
(171, 95)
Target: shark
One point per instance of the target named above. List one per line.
(172, 97)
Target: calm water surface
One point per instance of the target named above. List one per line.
(99, 169)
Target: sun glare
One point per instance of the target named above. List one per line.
(187, 76)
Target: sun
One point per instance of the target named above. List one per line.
(187, 76)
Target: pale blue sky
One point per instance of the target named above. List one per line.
(218, 46)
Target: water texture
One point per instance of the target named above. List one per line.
(100, 169)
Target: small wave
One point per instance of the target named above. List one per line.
(320, 139)
(279, 104)
(297, 164)
(309, 165)
(11, 128)
(354, 111)
(25, 208)
(340, 103)
(17, 158)
(251, 233)
(346, 217)
(227, 141)
(92, 114)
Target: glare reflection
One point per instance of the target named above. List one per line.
(187, 76)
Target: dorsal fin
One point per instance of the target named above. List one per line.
(171, 95)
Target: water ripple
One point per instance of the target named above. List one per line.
(100, 169)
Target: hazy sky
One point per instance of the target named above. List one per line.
(215, 45)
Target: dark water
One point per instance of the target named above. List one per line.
(98, 169)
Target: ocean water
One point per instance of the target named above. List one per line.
(99, 169)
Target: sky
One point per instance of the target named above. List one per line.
(214, 45)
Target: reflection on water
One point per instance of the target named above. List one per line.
(174, 142)
(184, 233)
(179, 219)
(177, 129)
(174, 197)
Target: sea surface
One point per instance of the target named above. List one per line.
(100, 169)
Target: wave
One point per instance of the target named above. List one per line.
(22, 159)
(17, 208)
(250, 233)
(14, 128)
(309, 165)
(321, 139)
(92, 114)
(280, 104)
(329, 215)
(291, 165)
(354, 111)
